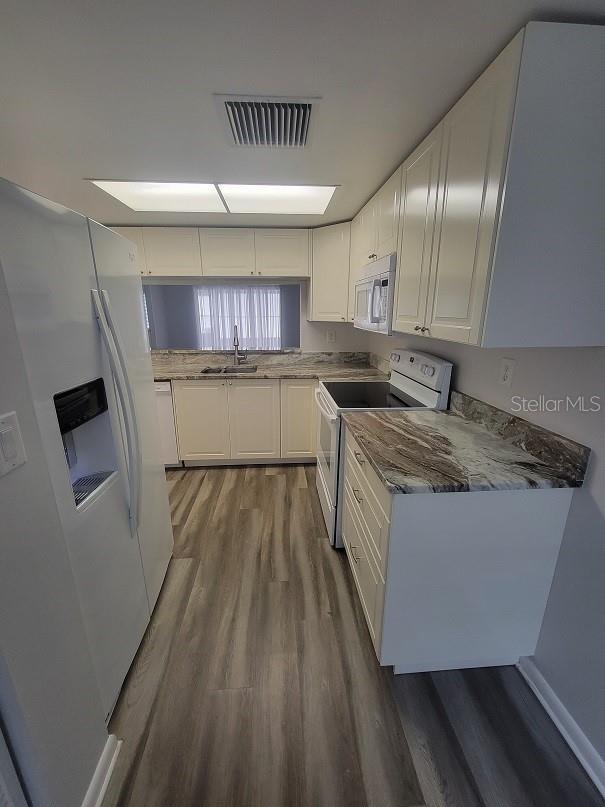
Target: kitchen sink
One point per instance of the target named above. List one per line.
(230, 368)
(248, 368)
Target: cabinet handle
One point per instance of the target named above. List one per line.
(425, 329)
(357, 495)
(372, 255)
(418, 328)
(359, 457)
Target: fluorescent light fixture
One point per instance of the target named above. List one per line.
(165, 197)
(301, 199)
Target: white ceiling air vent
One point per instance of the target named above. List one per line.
(266, 121)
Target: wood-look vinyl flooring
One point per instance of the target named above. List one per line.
(256, 684)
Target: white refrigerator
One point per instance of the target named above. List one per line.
(77, 301)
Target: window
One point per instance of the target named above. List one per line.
(201, 317)
(256, 310)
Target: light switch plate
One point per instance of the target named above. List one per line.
(12, 450)
(507, 369)
(330, 337)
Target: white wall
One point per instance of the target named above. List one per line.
(49, 700)
(313, 335)
(571, 649)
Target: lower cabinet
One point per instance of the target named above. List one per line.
(163, 397)
(254, 419)
(298, 419)
(222, 420)
(202, 419)
(450, 580)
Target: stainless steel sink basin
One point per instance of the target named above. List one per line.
(230, 368)
(242, 368)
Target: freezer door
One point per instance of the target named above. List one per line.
(47, 261)
(120, 287)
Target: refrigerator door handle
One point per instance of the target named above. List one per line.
(135, 468)
(116, 370)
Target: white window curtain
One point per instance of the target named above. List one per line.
(256, 310)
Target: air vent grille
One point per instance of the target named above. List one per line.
(281, 124)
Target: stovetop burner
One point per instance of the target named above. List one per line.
(368, 395)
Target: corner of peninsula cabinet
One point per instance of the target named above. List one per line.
(449, 580)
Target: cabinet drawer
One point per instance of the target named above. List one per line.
(368, 475)
(370, 510)
(367, 578)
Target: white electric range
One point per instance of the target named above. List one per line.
(417, 381)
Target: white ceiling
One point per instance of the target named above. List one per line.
(124, 90)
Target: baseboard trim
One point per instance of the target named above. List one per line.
(102, 775)
(584, 750)
(261, 461)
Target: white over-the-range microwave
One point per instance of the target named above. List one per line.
(374, 290)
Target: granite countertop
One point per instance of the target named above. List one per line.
(173, 366)
(471, 447)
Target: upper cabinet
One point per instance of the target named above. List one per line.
(282, 253)
(227, 252)
(420, 174)
(135, 235)
(328, 297)
(172, 251)
(386, 215)
(507, 249)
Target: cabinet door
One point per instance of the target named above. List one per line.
(227, 252)
(163, 397)
(475, 142)
(135, 235)
(417, 223)
(172, 251)
(363, 247)
(282, 253)
(298, 418)
(254, 419)
(330, 273)
(201, 410)
(386, 211)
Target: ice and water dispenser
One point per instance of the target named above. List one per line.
(87, 435)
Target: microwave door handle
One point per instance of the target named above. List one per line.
(116, 371)
(135, 467)
(374, 319)
(322, 408)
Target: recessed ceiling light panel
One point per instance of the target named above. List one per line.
(165, 197)
(278, 199)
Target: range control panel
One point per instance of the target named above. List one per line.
(429, 370)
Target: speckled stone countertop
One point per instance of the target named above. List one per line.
(188, 365)
(471, 447)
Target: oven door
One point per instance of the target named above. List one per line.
(364, 297)
(328, 436)
(381, 304)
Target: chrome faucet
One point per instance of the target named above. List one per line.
(238, 357)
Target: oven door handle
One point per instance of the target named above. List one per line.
(322, 407)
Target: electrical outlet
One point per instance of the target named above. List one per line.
(507, 369)
(330, 337)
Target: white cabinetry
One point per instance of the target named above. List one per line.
(298, 419)
(450, 580)
(202, 419)
(172, 251)
(282, 253)
(420, 173)
(163, 397)
(227, 251)
(328, 300)
(386, 215)
(254, 419)
(135, 235)
(517, 244)
(227, 419)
